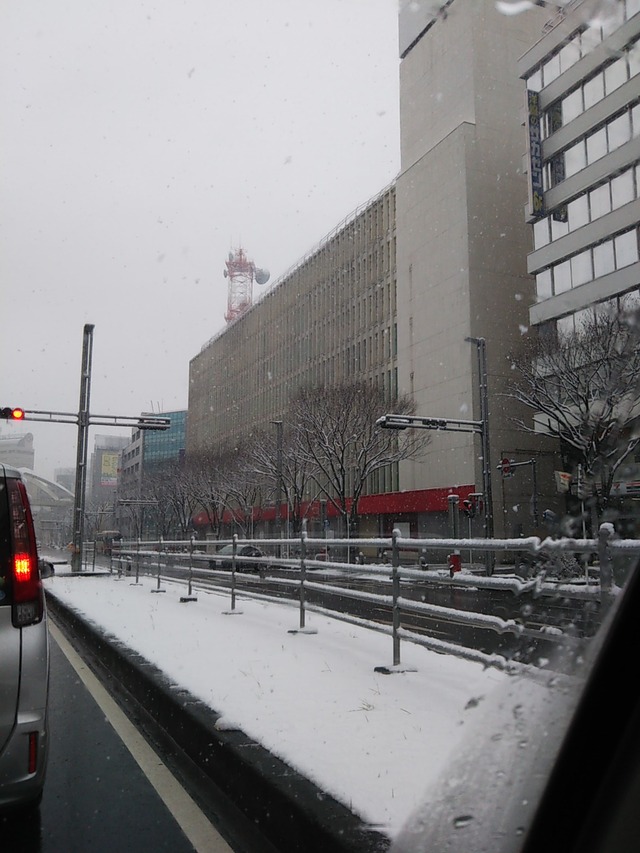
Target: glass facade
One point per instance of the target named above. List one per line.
(162, 446)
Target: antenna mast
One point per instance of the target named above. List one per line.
(241, 273)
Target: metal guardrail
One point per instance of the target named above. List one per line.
(597, 588)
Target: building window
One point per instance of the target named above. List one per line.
(622, 189)
(575, 158)
(572, 106)
(603, 259)
(593, 91)
(544, 288)
(626, 246)
(619, 131)
(581, 268)
(596, 145)
(600, 201)
(562, 277)
(578, 212)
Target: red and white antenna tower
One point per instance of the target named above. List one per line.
(241, 273)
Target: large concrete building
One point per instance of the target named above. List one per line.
(463, 241)
(393, 295)
(330, 320)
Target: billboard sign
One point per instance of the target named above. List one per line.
(536, 192)
(109, 469)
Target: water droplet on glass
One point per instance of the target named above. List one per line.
(462, 821)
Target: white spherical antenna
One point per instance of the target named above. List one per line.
(262, 276)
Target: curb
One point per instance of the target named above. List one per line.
(288, 809)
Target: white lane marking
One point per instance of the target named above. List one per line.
(198, 829)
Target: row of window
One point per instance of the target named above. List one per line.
(583, 42)
(611, 195)
(602, 84)
(594, 262)
(627, 303)
(589, 149)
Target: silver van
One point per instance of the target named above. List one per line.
(24, 651)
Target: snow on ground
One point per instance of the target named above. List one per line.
(373, 741)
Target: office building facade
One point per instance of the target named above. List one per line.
(405, 292)
(583, 83)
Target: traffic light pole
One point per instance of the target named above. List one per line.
(480, 427)
(81, 455)
(84, 420)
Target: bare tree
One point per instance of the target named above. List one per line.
(246, 489)
(180, 496)
(583, 389)
(295, 467)
(336, 430)
(156, 494)
(209, 479)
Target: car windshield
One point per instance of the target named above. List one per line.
(355, 286)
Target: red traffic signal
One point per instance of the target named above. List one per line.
(12, 413)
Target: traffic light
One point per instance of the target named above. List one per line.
(12, 413)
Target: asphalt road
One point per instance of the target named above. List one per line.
(98, 798)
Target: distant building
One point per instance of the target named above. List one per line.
(17, 450)
(52, 508)
(65, 477)
(146, 453)
(102, 483)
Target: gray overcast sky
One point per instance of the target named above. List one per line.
(143, 140)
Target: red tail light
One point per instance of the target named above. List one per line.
(27, 588)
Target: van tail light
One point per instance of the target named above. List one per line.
(28, 603)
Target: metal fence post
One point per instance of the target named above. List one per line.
(395, 608)
(189, 596)
(157, 589)
(303, 572)
(233, 571)
(138, 560)
(302, 629)
(605, 534)
(395, 592)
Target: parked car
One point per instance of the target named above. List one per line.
(241, 565)
(24, 651)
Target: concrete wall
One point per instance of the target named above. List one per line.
(462, 240)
